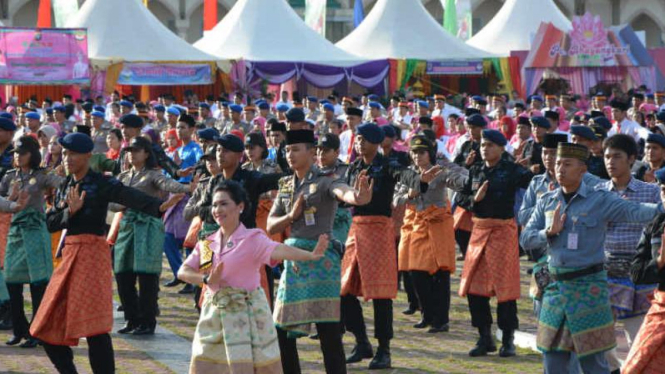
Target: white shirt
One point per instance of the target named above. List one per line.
(344, 144)
(631, 128)
(458, 146)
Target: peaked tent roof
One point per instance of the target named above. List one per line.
(125, 30)
(271, 31)
(516, 23)
(401, 29)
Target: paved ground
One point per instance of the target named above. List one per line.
(413, 351)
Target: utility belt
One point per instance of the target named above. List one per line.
(578, 273)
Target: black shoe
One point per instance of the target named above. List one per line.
(129, 327)
(485, 343)
(14, 340)
(409, 311)
(30, 343)
(508, 344)
(187, 290)
(120, 308)
(174, 282)
(144, 330)
(442, 328)
(360, 352)
(421, 325)
(381, 360)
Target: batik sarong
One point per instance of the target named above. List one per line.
(492, 265)
(5, 220)
(647, 354)
(369, 266)
(78, 301)
(576, 315)
(28, 256)
(235, 334)
(430, 244)
(139, 245)
(341, 225)
(308, 291)
(628, 299)
(4, 293)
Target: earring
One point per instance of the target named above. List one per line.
(241, 211)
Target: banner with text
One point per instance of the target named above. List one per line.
(43, 56)
(165, 74)
(472, 67)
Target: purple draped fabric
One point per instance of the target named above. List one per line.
(582, 79)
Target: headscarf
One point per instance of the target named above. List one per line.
(169, 134)
(507, 120)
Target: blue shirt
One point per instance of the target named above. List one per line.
(587, 215)
(540, 184)
(189, 155)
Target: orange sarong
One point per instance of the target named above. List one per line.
(369, 266)
(492, 266)
(399, 219)
(114, 229)
(78, 299)
(463, 220)
(5, 220)
(647, 354)
(428, 241)
(262, 212)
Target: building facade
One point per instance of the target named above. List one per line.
(185, 17)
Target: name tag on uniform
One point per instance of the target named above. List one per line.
(309, 217)
(572, 240)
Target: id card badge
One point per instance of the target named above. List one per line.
(309, 217)
(572, 241)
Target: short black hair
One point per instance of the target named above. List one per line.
(621, 142)
(236, 192)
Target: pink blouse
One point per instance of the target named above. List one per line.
(246, 252)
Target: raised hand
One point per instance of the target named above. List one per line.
(75, 199)
(194, 184)
(363, 188)
(482, 191)
(172, 201)
(431, 173)
(558, 222)
(185, 172)
(297, 208)
(470, 158)
(649, 176)
(321, 247)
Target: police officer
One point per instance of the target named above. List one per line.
(327, 153)
(7, 129)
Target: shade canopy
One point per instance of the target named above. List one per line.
(515, 25)
(126, 31)
(403, 29)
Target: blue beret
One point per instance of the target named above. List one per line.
(204, 105)
(329, 107)
(77, 142)
(537, 98)
(231, 143)
(324, 102)
(173, 110)
(656, 138)
(59, 108)
(373, 97)
(374, 104)
(263, 105)
(476, 98)
(295, 115)
(159, 108)
(132, 120)
(235, 108)
(282, 108)
(660, 175)
(99, 108)
(98, 114)
(259, 101)
(371, 132)
(661, 116)
(650, 96)
(209, 133)
(583, 131)
(603, 122)
(33, 115)
(225, 104)
(7, 124)
(7, 116)
(495, 136)
(126, 103)
(49, 110)
(313, 99)
(423, 103)
(388, 131)
(476, 120)
(540, 121)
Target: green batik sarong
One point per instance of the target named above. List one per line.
(139, 245)
(576, 315)
(341, 225)
(308, 291)
(28, 252)
(4, 293)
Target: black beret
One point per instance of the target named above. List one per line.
(603, 122)
(540, 122)
(231, 142)
(476, 120)
(389, 131)
(300, 136)
(583, 131)
(77, 142)
(599, 131)
(7, 124)
(295, 115)
(468, 112)
(660, 116)
(371, 132)
(656, 138)
(495, 136)
(132, 120)
(551, 114)
(209, 133)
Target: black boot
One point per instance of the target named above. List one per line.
(508, 344)
(485, 343)
(361, 351)
(382, 358)
(145, 329)
(129, 327)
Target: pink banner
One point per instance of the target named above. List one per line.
(44, 56)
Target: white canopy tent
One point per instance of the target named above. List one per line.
(271, 31)
(403, 29)
(125, 30)
(516, 23)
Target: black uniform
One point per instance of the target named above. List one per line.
(460, 199)
(644, 268)
(596, 166)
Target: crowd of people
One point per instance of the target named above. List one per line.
(290, 211)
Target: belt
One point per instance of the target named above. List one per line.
(578, 273)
